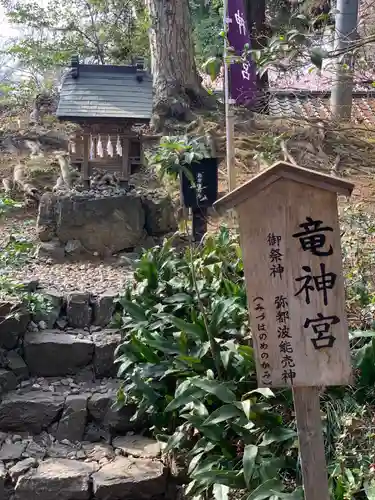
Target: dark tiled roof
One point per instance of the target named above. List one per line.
(316, 104)
(106, 92)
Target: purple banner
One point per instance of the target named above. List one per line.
(242, 77)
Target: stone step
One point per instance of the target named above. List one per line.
(65, 311)
(53, 353)
(67, 409)
(42, 468)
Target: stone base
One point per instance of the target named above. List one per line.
(71, 310)
(41, 468)
(67, 408)
(70, 338)
(60, 434)
(101, 224)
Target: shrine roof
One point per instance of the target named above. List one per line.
(104, 91)
(282, 170)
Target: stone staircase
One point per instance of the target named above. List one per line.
(60, 437)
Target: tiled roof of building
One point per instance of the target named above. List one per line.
(308, 98)
(122, 92)
(316, 104)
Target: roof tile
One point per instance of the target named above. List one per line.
(111, 93)
(317, 105)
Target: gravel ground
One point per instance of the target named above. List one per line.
(97, 276)
(87, 277)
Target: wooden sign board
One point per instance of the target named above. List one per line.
(290, 240)
(204, 193)
(291, 249)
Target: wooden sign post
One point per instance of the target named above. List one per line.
(290, 239)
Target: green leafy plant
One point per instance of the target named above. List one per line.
(187, 363)
(175, 154)
(15, 253)
(349, 443)
(359, 265)
(7, 204)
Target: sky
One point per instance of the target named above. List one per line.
(6, 30)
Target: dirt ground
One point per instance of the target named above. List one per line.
(101, 275)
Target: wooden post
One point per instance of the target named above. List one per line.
(290, 240)
(86, 169)
(231, 170)
(311, 442)
(229, 115)
(125, 168)
(199, 223)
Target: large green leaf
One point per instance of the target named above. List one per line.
(223, 414)
(212, 67)
(229, 478)
(192, 329)
(149, 355)
(185, 398)
(214, 433)
(246, 406)
(263, 391)
(295, 495)
(226, 357)
(134, 310)
(369, 487)
(219, 316)
(269, 467)
(179, 298)
(195, 461)
(278, 436)
(182, 387)
(265, 490)
(175, 441)
(220, 492)
(218, 389)
(124, 366)
(249, 460)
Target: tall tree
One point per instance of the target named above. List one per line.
(177, 84)
(207, 20)
(100, 31)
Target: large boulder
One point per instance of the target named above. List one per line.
(30, 412)
(56, 479)
(129, 479)
(106, 343)
(12, 451)
(50, 354)
(8, 381)
(14, 319)
(104, 307)
(137, 446)
(55, 300)
(17, 365)
(52, 249)
(73, 421)
(160, 213)
(101, 411)
(104, 224)
(78, 309)
(46, 221)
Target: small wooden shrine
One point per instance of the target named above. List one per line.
(110, 104)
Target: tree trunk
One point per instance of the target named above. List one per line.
(177, 85)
